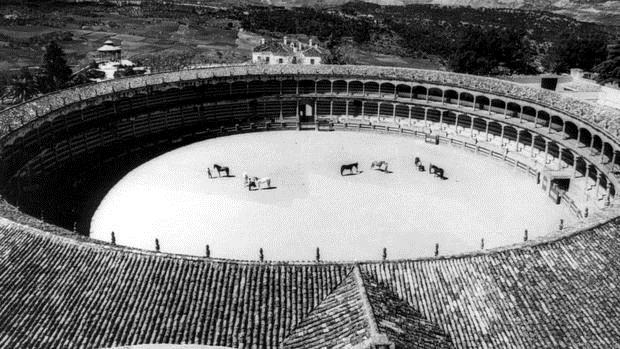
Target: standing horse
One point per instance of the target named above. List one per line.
(259, 183)
(349, 167)
(221, 169)
(380, 165)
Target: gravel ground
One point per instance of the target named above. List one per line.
(350, 218)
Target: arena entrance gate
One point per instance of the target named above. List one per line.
(306, 114)
(556, 185)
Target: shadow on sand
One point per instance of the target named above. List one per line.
(351, 174)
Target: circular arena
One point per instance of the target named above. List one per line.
(62, 153)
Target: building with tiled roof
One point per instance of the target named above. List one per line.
(61, 289)
(287, 52)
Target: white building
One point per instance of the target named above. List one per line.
(287, 52)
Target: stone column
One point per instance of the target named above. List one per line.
(346, 108)
(613, 161)
(379, 110)
(471, 127)
(575, 158)
(518, 137)
(363, 115)
(560, 157)
(409, 115)
(331, 108)
(281, 116)
(456, 123)
(598, 182)
(502, 136)
(393, 112)
(486, 132)
(532, 145)
(587, 176)
(546, 151)
(441, 119)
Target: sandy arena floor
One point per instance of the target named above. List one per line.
(349, 218)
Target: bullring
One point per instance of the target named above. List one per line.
(553, 293)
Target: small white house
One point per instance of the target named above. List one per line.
(287, 52)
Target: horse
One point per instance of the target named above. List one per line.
(259, 183)
(380, 165)
(221, 169)
(349, 167)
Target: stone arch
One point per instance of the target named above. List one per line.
(419, 92)
(528, 113)
(597, 144)
(387, 89)
(539, 143)
(580, 166)
(498, 106)
(567, 157)
(513, 110)
(239, 88)
(386, 109)
(371, 108)
(510, 133)
(571, 130)
(586, 137)
(543, 119)
(417, 113)
(356, 87)
(272, 87)
(371, 88)
(219, 90)
(557, 124)
(339, 86)
(495, 128)
(608, 151)
(553, 150)
(256, 88)
(451, 97)
(525, 139)
(324, 86)
(435, 94)
(467, 99)
(480, 124)
(449, 118)
(464, 121)
(289, 87)
(402, 111)
(433, 115)
(482, 102)
(306, 87)
(403, 91)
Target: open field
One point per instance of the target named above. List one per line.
(351, 217)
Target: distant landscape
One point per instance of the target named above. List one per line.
(515, 39)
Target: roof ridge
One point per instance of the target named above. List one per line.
(368, 311)
(300, 322)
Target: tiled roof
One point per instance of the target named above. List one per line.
(312, 52)
(64, 291)
(404, 325)
(338, 322)
(274, 47)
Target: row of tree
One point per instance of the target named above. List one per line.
(53, 75)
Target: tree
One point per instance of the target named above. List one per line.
(57, 72)
(491, 51)
(608, 71)
(24, 87)
(576, 51)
